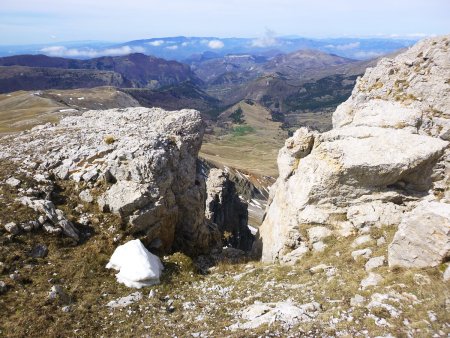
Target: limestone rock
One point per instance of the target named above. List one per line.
(125, 301)
(447, 274)
(365, 253)
(375, 213)
(86, 196)
(146, 160)
(3, 287)
(315, 234)
(286, 313)
(361, 240)
(39, 251)
(423, 237)
(13, 182)
(357, 300)
(12, 228)
(225, 209)
(387, 151)
(59, 294)
(57, 222)
(371, 280)
(374, 263)
(296, 147)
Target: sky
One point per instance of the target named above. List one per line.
(53, 21)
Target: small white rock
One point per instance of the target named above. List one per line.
(361, 240)
(381, 241)
(315, 234)
(357, 300)
(365, 253)
(371, 280)
(13, 182)
(86, 196)
(447, 274)
(12, 228)
(374, 263)
(319, 246)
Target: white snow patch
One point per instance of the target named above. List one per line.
(253, 230)
(136, 265)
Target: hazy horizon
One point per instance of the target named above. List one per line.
(49, 22)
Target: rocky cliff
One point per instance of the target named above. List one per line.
(385, 162)
(138, 164)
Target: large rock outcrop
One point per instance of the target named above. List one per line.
(225, 209)
(388, 150)
(144, 162)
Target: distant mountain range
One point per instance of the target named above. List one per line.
(30, 72)
(188, 49)
(287, 84)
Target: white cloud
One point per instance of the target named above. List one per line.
(89, 52)
(215, 44)
(268, 40)
(184, 44)
(174, 47)
(156, 43)
(351, 45)
(367, 55)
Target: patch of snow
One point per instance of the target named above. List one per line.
(253, 230)
(136, 265)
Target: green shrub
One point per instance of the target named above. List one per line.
(237, 116)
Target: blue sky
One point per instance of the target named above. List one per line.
(46, 21)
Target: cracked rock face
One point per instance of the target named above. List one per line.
(225, 209)
(388, 151)
(146, 157)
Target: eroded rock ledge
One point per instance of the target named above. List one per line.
(386, 156)
(138, 163)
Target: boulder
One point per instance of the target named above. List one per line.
(386, 152)
(423, 237)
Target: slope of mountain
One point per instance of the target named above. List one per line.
(304, 62)
(245, 137)
(14, 78)
(245, 65)
(181, 96)
(23, 110)
(137, 70)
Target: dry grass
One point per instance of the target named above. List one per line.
(22, 110)
(255, 150)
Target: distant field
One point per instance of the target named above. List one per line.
(23, 110)
(251, 146)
